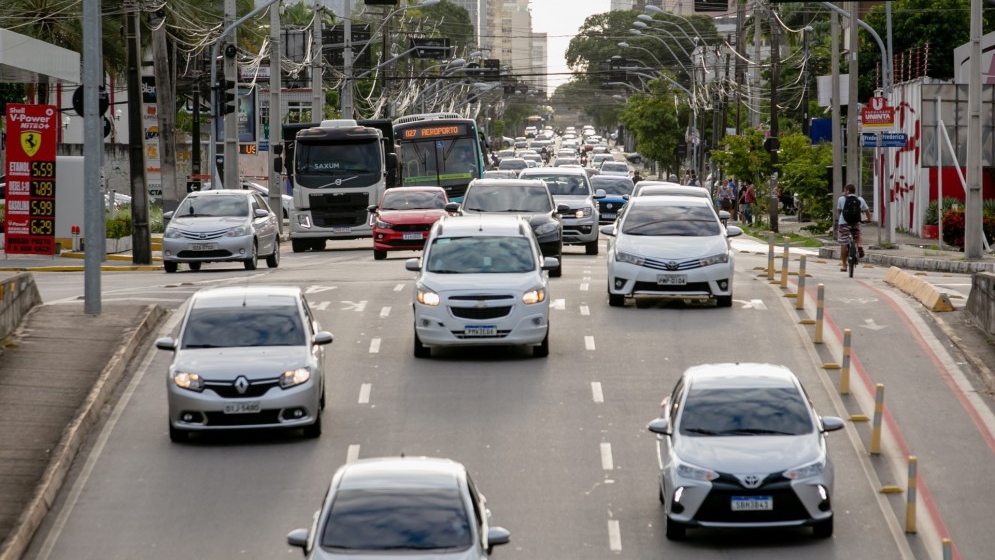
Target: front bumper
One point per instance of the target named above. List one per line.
(522, 325)
(700, 283)
(278, 408)
(302, 226)
(580, 231)
(392, 240)
(221, 249)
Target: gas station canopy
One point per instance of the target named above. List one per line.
(25, 60)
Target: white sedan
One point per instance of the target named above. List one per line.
(670, 247)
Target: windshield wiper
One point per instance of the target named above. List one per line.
(202, 346)
(756, 432)
(701, 431)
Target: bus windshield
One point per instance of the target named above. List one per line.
(439, 162)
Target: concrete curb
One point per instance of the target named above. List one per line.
(79, 268)
(915, 263)
(923, 291)
(985, 372)
(76, 433)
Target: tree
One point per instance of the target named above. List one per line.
(744, 158)
(802, 168)
(654, 119)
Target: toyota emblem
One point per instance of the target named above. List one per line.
(673, 265)
(202, 236)
(751, 480)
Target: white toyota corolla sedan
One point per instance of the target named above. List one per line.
(670, 247)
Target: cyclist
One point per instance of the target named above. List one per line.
(851, 208)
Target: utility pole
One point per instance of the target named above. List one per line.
(805, 79)
(275, 113)
(834, 26)
(974, 236)
(231, 179)
(852, 135)
(775, 61)
(740, 74)
(141, 244)
(93, 152)
(345, 96)
(166, 114)
(317, 63)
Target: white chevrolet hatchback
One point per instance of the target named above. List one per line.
(482, 281)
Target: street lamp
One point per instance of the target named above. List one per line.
(667, 45)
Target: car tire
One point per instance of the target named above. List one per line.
(591, 248)
(421, 351)
(273, 260)
(252, 262)
(169, 266)
(676, 531)
(724, 301)
(321, 401)
(823, 529)
(194, 266)
(616, 300)
(313, 431)
(379, 255)
(177, 435)
(542, 350)
(659, 494)
(298, 245)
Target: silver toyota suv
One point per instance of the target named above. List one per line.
(571, 186)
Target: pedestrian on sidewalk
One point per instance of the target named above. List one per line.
(749, 197)
(725, 197)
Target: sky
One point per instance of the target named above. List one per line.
(560, 20)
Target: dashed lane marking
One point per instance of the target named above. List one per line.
(398, 287)
(596, 392)
(375, 345)
(558, 304)
(364, 393)
(584, 286)
(352, 454)
(589, 342)
(585, 310)
(606, 457)
(384, 312)
(614, 536)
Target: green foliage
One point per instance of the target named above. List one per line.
(156, 223)
(932, 216)
(654, 121)
(744, 158)
(802, 168)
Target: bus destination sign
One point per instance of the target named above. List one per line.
(436, 131)
(29, 220)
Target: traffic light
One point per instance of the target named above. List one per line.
(227, 96)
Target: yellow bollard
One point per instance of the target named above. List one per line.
(876, 424)
(948, 549)
(845, 373)
(800, 298)
(820, 302)
(910, 497)
(770, 257)
(784, 264)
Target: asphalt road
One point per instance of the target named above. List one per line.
(557, 445)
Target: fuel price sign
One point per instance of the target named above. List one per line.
(29, 217)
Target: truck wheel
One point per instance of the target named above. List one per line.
(298, 245)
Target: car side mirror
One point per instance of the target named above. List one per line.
(372, 209)
(167, 215)
(831, 423)
(260, 213)
(733, 231)
(659, 426)
(414, 264)
(452, 207)
(297, 537)
(550, 263)
(166, 343)
(600, 193)
(562, 208)
(322, 337)
(608, 230)
(497, 536)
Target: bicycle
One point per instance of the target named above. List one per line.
(853, 253)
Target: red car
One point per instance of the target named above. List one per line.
(402, 219)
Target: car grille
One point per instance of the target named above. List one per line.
(500, 334)
(202, 235)
(717, 506)
(411, 243)
(411, 227)
(215, 254)
(671, 265)
(481, 297)
(339, 210)
(270, 416)
(480, 312)
(690, 287)
(227, 390)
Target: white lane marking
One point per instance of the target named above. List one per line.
(375, 345)
(385, 312)
(754, 303)
(364, 393)
(317, 289)
(614, 536)
(606, 457)
(352, 454)
(398, 287)
(584, 286)
(596, 392)
(586, 279)
(558, 304)
(585, 310)
(589, 342)
(77, 489)
(320, 306)
(870, 324)
(357, 306)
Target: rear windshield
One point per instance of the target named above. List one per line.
(689, 221)
(563, 185)
(612, 185)
(227, 327)
(397, 519)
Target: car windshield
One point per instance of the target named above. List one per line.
(212, 205)
(745, 411)
(480, 255)
(563, 185)
(229, 327)
(507, 199)
(688, 221)
(412, 201)
(612, 185)
(397, 519)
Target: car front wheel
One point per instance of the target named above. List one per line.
(253, 261)
(313, 431)
(724, 301)
(823, 529)
(542, 350)
(591, 248)
(379, 255)
(421, 351)
(169, 266)
(616, 300)
(273, 260)
(177, 435)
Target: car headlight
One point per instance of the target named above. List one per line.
(629, 258)
(238, 231)
(172, 233)
(583, 212)
(384, 225)
(805, 471)
(428, 297)
(685, 470)
(546, 228)
(535, 295)
(190, 381)
(294, 377)
(715, 259)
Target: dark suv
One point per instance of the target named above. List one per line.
(529, 199)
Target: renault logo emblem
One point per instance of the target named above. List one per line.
(241, 385)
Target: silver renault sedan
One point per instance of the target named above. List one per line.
(246, 357)
(740, 445)
(221, 226)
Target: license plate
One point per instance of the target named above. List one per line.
(671, 279)
(202, 246)
(480, 330)
(341, 230)
(752, 503)
(249, 407)
(415, 235)
(608, 216)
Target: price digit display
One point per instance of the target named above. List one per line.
(43, 188)
(43, 169)
(42, 208)
(42, 227)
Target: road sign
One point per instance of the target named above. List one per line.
(877, 114)
(884, 139)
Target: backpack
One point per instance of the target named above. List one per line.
(851, 210)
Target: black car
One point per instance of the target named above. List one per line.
(527, 198)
